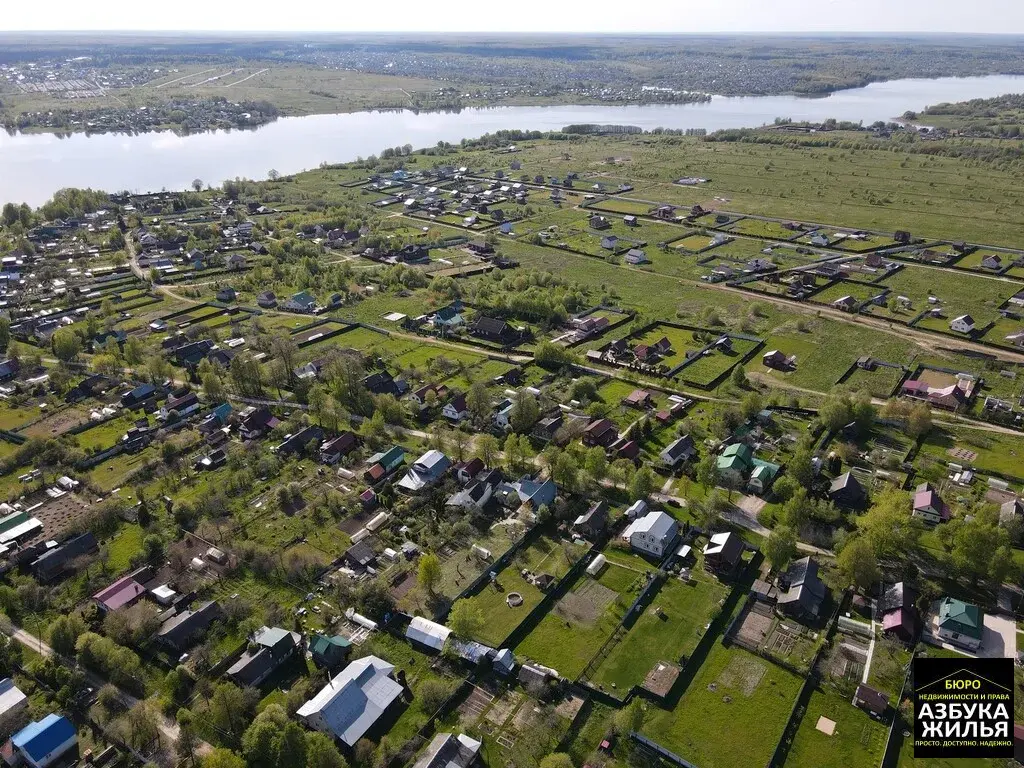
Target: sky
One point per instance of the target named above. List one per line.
(661, 16)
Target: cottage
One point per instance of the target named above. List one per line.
(599, 222)
(638, 398)
(56, 562)
(44, 742)
(678, 452)
(591, 524)
(456, 409)
(353, 701)
(226, 295)
(426, 472)
(382, 464)
(630, 221)
(960, 623)
(801, 591)
(635, 256)
(929, 506)
(257, 422)
(723, 553)
(993, 262)
(846, 491)
(298, 442)
(302, 302)
(122, 593)
(775, 359)
(332, 451)
(600, 432)
(735, 464)
(494, 329)
(962, 324)
(13, 707)
(653, 534)
(266, 300)
(609, 242)
(271, 647)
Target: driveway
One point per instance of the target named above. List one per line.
(999, 639)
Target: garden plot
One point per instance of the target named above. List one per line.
(858, 291)
(880, 382)
(857, 740)
(497, 600)
(668, 630)
(958, 293)
(717, 362)
(759, 629)
(732, 713)
(582, 620)
(621, 205)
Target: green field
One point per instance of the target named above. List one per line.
(732, 713)
(687, 609)
(582, 620)
(858, 740)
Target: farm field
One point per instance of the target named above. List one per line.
(732, 713)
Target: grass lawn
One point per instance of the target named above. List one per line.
(888, 668)
(13, 418)
(710, 366)
(124, 546)
(879, 382)
(687, 610)
(995, 452)
(567, 637)
(732, 714)
(858, 740)
(545, 555)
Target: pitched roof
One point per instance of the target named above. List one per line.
(41, 738)
(965, 618)
(119, 594)
(355, 698)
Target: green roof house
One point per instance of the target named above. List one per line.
(328, 652)
(961, 623)
(762, 476)
(735, 464)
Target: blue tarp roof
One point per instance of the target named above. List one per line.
(41, 738)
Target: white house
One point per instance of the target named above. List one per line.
(962, 324)
(352, 702)
(503, 414)
(456, 410)
(652, 534)
(426, 472)
(13, 706)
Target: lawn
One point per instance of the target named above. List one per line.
(998, 453)
(582, 620)
(888, 668)
(879, 382)
(124, 546)
(712, 365)
(758, 228)
(687, 610)
(732, 714)
(545, 555)
(857, 742)
(958, 293)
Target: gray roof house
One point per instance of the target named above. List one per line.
(353, 701)
(653, 533)
(805, 592)
(447, 750)
(274, 646)
(178, 632)
(678, 452)
(426, 472)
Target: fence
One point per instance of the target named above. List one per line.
(660, 750)
(894, 742)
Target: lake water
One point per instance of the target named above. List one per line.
(33, 166)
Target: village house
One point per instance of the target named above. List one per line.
(270, 648)
(929, 506)
(653, 534)
(382, 464)
(329, 651)
(870, 700)
(960, 623)
(962, 324)
(723, 553)
(183, 628)
(456, 409)
(353, 701)
(43, 743)
(801, 591)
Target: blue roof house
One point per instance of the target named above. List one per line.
(42, 743)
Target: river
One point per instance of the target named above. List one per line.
(33, 166)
